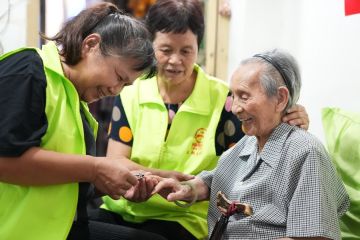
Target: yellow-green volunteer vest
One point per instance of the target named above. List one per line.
(46, 213)
(189, 147)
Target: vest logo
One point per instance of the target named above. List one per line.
(197, 144)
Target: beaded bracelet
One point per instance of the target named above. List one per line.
(185, 205)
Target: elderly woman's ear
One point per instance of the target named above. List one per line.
(282, 99)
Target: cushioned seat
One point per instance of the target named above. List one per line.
(342, 132)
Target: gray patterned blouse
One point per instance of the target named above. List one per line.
(292, 186)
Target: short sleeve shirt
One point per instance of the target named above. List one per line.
(22, 103)
(291, 185)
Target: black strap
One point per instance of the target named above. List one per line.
(272, 62)
(86, 190)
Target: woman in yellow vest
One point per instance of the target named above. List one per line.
(47, 135)
(175, 124)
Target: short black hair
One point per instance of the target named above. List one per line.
(176, 16)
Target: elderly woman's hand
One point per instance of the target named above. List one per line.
(172, 190)
(298, 116)
(142, 191)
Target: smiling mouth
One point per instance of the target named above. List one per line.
(245, 119)
(101, 93)
(173, 71)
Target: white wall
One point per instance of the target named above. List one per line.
(13, 30)
(58, 11)
(324, 41)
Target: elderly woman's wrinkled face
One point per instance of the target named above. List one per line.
(258, 112)
(176, 54)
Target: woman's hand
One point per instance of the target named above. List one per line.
(173, 190)
(143, 189)
(173, 174)
(298, 116)
(111, 178)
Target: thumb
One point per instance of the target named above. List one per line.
(175, 196)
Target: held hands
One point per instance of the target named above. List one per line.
(298, 116)
(111, 178)
(143, 189)
(169, 188)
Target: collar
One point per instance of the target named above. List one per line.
(198, 101)
(50, 54)
(271, 152)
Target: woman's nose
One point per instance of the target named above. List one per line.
(236, 107)
(175, 59)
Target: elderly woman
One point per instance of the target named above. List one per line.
(175, 124)
(282, 171)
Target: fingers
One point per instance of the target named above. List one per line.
(297, 116)
(112, 178)
(115, 191)
(180, 194)
(131, 179)
(185, 177)
(116, 195)
(163, 184)
(143, 189)
(175, 196)
(296, 108)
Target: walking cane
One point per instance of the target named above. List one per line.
(227, 209)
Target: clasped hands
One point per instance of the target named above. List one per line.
(148, 185)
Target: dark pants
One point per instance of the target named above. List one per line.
(93, 230)
(167, 229)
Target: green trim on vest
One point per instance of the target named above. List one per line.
(44, 213)
(189, 147)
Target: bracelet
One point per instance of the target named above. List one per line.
(188, 204)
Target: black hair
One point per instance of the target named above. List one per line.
(176, 16)
(121, 35)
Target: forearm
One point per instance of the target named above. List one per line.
(37, 166)
(131, 165)
(118, 150)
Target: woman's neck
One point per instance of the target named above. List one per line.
(176, 93)
(66, 70)
(70, 74)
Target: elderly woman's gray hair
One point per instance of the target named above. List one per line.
(281, 69)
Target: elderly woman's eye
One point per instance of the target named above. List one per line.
(165, 50)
